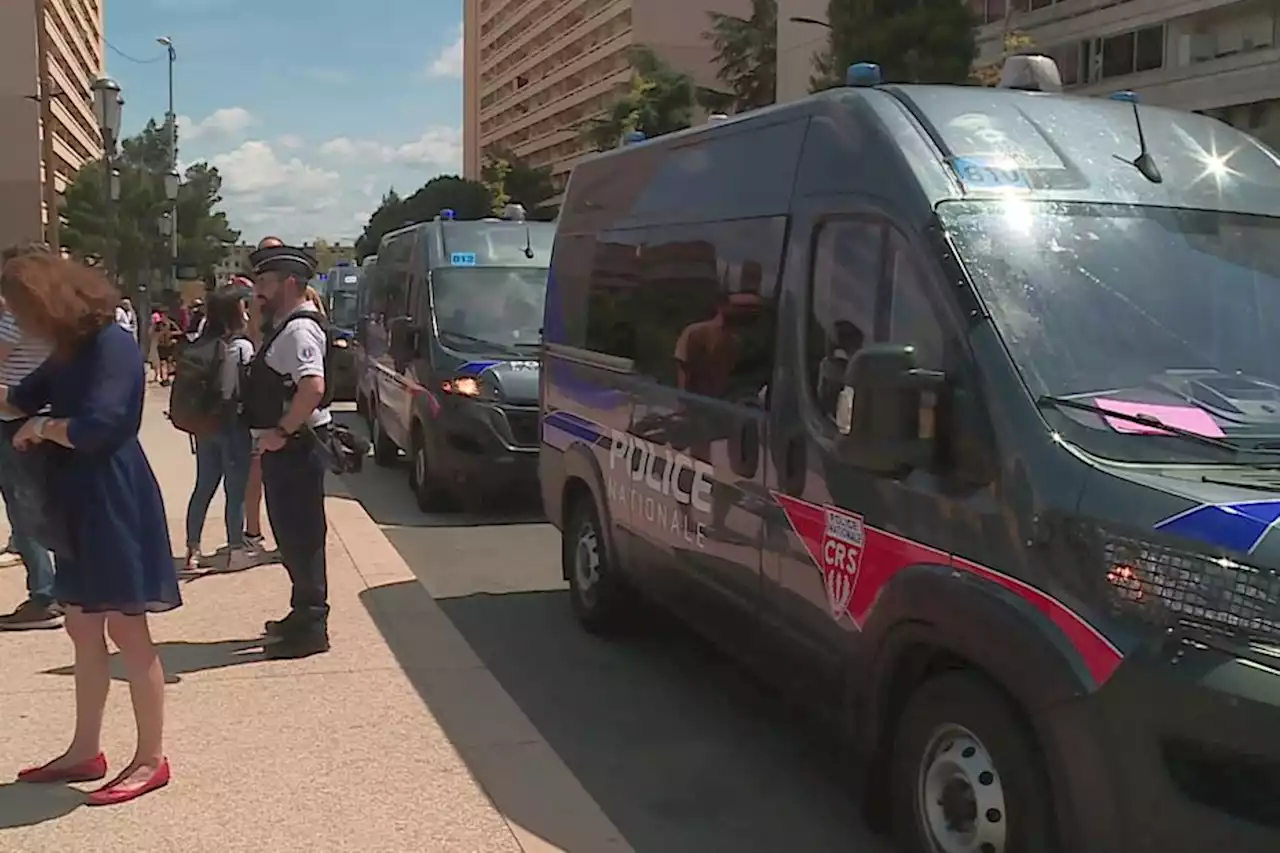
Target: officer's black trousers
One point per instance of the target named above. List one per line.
(293, 484)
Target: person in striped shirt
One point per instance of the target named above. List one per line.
(21, 354)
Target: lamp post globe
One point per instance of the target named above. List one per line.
(107, 106)
(172, 181)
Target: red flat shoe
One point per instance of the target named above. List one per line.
(119, 792)
(89, 770)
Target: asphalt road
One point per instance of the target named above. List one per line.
(683, 751)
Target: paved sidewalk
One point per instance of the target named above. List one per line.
(342, 752)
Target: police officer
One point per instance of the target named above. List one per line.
(284, 402)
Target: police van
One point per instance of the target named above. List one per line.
(957, 410)
(366, 302)
(341, 286)
(457, 384)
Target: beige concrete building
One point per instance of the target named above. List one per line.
(1215, 56)
(73, 43)
(536, 70)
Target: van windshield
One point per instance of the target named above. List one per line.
(1141, 307)
(501, 306)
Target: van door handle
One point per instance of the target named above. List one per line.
(744, 448)
(794, 464)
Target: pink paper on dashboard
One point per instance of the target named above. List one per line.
(1189, 418)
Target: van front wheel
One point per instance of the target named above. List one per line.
(966, 775)
(599, 597)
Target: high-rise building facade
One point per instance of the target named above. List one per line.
(536, 70)
(1214, 56)
(71, 35)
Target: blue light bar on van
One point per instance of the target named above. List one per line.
(1126, 96)
(448, 213)
(863, 74)
(631, 137)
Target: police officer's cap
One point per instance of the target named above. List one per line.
(286, 260)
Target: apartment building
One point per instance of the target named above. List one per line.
(1214, 56)
(536, 70)
(73, 40)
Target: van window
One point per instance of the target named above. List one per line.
(847, 267)
(913, 319)
(692, 306)
(722, 175)
(394, 260)
(612, 279)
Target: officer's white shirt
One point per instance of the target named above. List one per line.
(298, 351)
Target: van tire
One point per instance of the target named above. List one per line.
(385, 452)
(602, 605)
(429, 495)
(959, 725)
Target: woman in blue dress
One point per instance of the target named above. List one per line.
(106, 516)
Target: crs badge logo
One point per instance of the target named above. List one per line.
(842, 544)
(835, 540)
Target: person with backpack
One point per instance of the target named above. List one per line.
(204, 402)
(286, 403)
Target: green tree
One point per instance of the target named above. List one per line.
(746, 54)
(467, 199)
(132, 226)
(927, 41)
(658, 100)
(511, 180)
(385, 218)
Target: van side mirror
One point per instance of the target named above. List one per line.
(886, 413)
(404, 340)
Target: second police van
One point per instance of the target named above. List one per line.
(454, 383)
(958, 411)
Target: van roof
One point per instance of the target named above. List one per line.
(1050, 146)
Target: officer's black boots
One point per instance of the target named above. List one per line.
(296, 636)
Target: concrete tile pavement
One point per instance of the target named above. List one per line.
(397, 740)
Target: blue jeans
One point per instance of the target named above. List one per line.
(220, 458)
(38, 560)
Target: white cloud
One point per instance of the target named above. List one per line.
(437, 147)
(226, 123)
(448, 62)
(283, 187)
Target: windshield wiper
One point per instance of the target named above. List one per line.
(1145, 420)
(472, 339)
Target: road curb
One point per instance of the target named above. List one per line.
(538, 796)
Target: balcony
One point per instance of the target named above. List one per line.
(1237, 79)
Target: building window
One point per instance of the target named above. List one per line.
(1124, 54)
(1149, 50)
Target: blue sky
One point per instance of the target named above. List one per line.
(310, 110)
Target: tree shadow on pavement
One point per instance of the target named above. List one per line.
(182, 658)
(27, 805)
(681, 749)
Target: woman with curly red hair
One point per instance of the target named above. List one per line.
(114, 558)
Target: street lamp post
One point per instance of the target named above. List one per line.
(172, 179)
(108, 105)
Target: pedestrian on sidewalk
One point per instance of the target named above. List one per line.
(20, 354)
(127, 318)
(284, 402)
(253, 538)
(115, 565)
(224, 457)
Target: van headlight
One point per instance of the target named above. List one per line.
(1169, 588)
